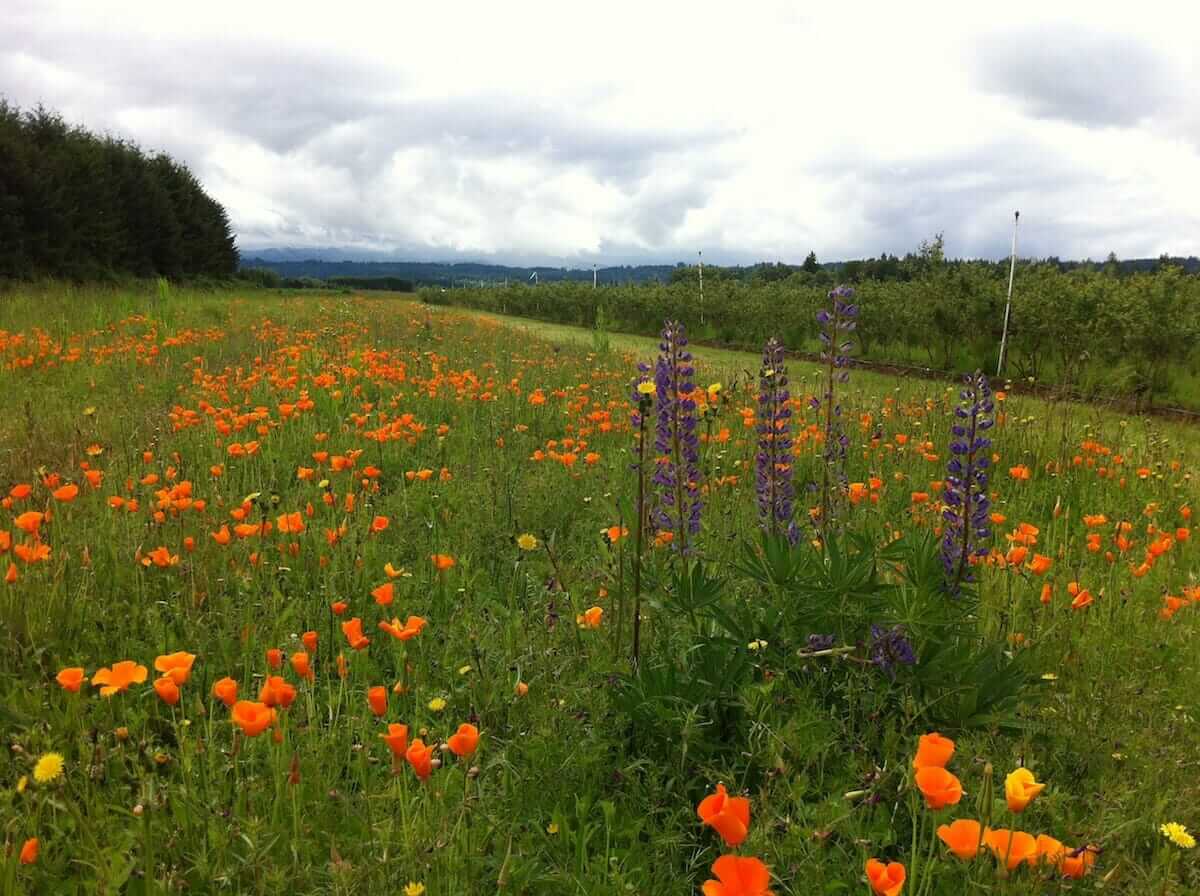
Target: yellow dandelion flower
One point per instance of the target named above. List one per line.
(48, 768)
(414, 889)
(437, 704)
(647, 388)
(22, 783)
(1178, 834)
(527, 542)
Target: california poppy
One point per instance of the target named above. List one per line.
(441, 562)
(29, 851)
(464, 741)
(396, 738)
(226, 690)
(177, 666)
(309, 640)
(1012, 847)
(1020, 788)
(1076, 862)
(379, 524)
(253, 718)
(405, 632)
(933, 750)
(70, 679)
(377, 699)
(938, 786)
(277, 691)
(590, 618)
(963, 837)
(352, 629)
(119, 677)
(384, 594)
(167, 690)
(728, 816)
(301, 665)
(1049, 850)
(274, 657)
(886, 880)
(738, 876)
(420, 757)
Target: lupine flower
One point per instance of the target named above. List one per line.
(967, 525)
(837, 323)
(773, 461)
(728, 815)
(818, 642)
(890, 648)
(677, 473)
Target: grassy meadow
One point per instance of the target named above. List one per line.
(214, 486)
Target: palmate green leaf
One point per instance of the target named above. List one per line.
(962, 685)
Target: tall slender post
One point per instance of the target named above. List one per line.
(1012, 268)
(593, 276)
(700, 255)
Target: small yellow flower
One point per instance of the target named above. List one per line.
(757, 645)
(647, 388)
(48, 768)
(22, 783)
(552, 828)
(1178, 834)
(527, 542)
(715, 389)
(414, 889)
(437, 704)
(463, 670)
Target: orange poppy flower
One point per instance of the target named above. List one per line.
(226, 690)
(377, 698)
(728, 816)
(309, 640)
(886, 880)
(1020, 472)
(354, 634)
(1082, 599)
(177, 666)
(1050, 851)
(29, 851)
(119, 677)
(384, 594)
(66, 493)
(962, 837)
(405, 632)
(301, 666)
(70, 679)
(338, 607)
(938, 786)
(1076, 862)
(463, 741)
(1013, 847)
(379, 524)
(738, 876)
(274, 657)
(590, 618)
(933, 750)
(1040, 564)
(1020, 788)
(253, 718)
(420, 757)
(396, 738)
(29, 522)
(222, 536)
(167, 690)
(441, 562)
(277, 691)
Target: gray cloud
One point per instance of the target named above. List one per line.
(1075, 74)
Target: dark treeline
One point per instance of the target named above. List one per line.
(84, 207)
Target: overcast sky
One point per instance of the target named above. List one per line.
(648, 130)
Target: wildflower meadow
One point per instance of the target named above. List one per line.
(326, 593)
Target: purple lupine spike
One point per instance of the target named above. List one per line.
(967, 524)
(837, 321)
(889, 648)
(773, 461)
(677, 473)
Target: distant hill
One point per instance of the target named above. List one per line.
(433, 273)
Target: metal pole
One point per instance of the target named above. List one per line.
(593, 276)
(700, 255)
(1012, 268)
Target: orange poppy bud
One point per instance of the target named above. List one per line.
(338, 607)
(274, 657)
(377, 698)
(521, 689)
(396, 738)
(728, 816)
(29, 851)
(442, 562)
(420, 757)
(301, 666)
(309, 640)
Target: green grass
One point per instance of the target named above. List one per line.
(570, 791)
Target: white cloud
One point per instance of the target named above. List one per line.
(647, 129)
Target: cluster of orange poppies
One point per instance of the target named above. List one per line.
(735, 875)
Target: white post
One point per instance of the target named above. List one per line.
(1012, 268)
(593, 276)
(700, 255)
